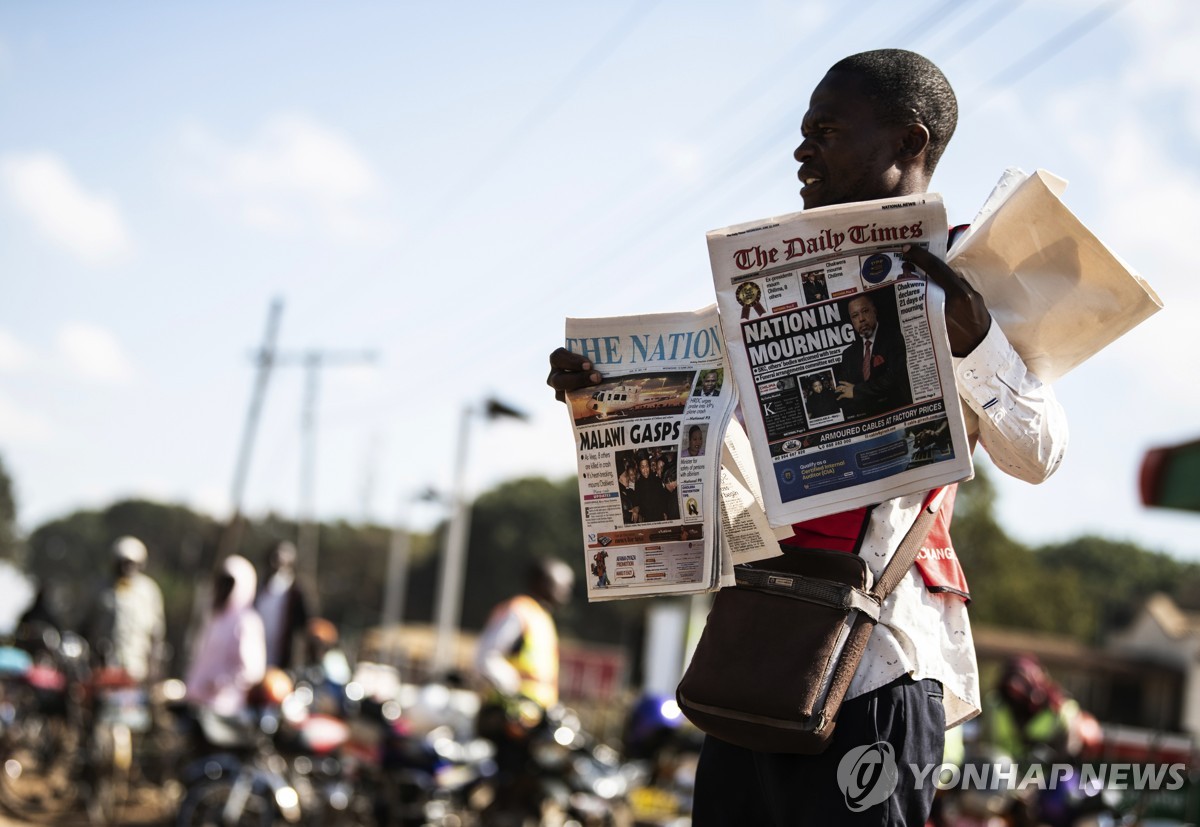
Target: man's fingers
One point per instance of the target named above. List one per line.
(569, 371)
(563, 359)
(967, 317)
(571, 380)
(938, 270)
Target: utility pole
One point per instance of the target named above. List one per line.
(231, 537)
(265, 360)
(312, 361)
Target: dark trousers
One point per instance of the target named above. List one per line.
(736, 786)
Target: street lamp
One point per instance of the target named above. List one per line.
(454, 551)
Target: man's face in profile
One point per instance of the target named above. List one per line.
(695, 441)
(862, 317)
(847, 153)
(710, 382)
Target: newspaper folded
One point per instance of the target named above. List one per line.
(840, 353)
(649, 447)
(746, 535)
(1058, 293)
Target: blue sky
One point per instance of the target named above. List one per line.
(444, 183)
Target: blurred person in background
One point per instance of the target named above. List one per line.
(231, 652)
(517, 661)
(1028, 711)
(38, 621)
(283, 607)
(127, 627)
(327, 667)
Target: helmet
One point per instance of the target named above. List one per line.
(1027, 687)
(651, 723)
(274, 688)
(322, 631)
(129, 549)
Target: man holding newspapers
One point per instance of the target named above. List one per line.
(876, 125)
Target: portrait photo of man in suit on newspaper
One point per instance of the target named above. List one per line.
(873, 375)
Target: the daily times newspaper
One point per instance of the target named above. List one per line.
(649, 449)
(840, 354)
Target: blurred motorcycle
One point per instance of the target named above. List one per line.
(278, 764)
(44, 723)
(569, 778)
(657, 737)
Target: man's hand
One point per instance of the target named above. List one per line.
(967, 317)
(844, 390)
(570, 371)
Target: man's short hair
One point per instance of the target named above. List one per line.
(904, 85)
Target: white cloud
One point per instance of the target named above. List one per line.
(20, 425)
(94, 353)
(89, 226)
(15, 356)
(292, 175)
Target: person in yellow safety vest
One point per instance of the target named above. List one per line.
(1029, 709)
(517, 660)
(518, 649)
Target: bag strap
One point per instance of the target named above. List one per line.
(906, 554)
(860, 633)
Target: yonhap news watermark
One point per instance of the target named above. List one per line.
(869, 775)
(1001, 776)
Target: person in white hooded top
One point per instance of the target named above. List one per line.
(231, 654)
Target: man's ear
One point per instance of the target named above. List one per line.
(914, 141)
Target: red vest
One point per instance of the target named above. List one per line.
(936, 560)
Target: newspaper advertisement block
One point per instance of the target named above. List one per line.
(840, 354)
(649, 442)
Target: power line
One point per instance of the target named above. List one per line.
(978, 26)
(544, 109)
(751, 150)
(503, 148)
(1053, 45)
(935, 17)
(313, 361)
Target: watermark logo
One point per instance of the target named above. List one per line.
(867, 775)
(1009, 776)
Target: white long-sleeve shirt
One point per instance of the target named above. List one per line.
(1022, 426)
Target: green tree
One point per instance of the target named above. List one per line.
(72, 557)
(8, 515)
(1115, 576)
(512, 525)
(353, 563)
(1008, 584)
(69, 557)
